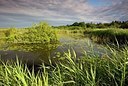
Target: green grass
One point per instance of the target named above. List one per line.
(108, 35)
(43, 33)
(90, 70)
(65, 31)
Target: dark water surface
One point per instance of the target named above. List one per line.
(38, 53)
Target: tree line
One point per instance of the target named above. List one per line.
(113, 24)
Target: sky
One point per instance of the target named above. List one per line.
(23, 13)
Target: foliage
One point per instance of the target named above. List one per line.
(83, 25)
(70, 27)
(94, 70)
(108, 35)
(39, 33)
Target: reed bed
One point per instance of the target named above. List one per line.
(108, 35)
(89, 70)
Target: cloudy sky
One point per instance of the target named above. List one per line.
(22, 13)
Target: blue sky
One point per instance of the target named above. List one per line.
(23, 13)
(97, 3)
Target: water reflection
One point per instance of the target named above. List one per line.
(80, 44)
(38, 53)
(30, 53)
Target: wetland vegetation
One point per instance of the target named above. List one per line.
(71, 55)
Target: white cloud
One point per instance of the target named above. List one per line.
(62, 10)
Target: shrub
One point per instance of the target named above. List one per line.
(39, 33)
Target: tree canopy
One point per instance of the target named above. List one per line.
(113, 24)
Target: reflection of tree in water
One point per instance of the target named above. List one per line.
(32, 47)
(41, 51)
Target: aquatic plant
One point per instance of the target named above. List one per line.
(91, 70)
(108, 35)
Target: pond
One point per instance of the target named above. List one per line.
(38, 53)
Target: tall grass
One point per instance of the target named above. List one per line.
(66, 31)
(89, 70)
(108, 35)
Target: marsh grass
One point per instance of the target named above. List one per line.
(105, 36)
(89, 70)
(108, 35)
(66, 31)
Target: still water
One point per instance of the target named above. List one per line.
(38, 53)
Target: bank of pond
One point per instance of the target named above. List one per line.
(45, 56)
(102, 36)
